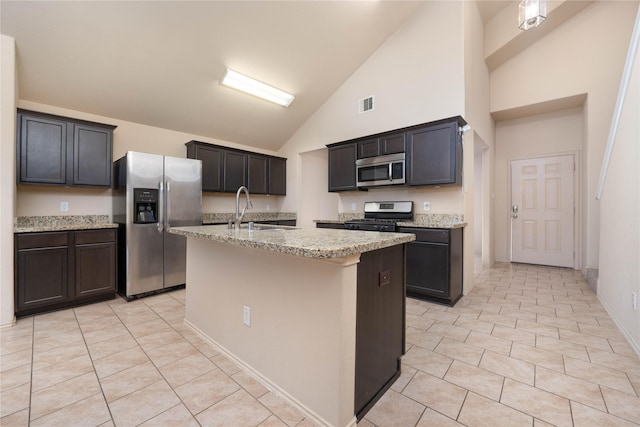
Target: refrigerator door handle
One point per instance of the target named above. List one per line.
(168, 205)
(161, 208)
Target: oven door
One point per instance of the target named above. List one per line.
(383, 170)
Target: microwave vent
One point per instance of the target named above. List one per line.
(366, 104)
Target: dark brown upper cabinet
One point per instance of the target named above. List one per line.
(226, 169)
(234, 170)
(381, 145)
(434, 155)
(211, 158)
(54, 150)
(258, 179)
(277, 176)
(342, 167)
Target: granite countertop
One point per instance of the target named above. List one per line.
(306, 242)
(432, 224)
(225, 217)
(419, 220)
(34, 224)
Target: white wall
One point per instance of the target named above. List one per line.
(583, 56)
(534, 136)
(431, 68)
(128, 136)
(8, 100)
(477, 205)
(416, 76)
(315, 180)
(620, 219)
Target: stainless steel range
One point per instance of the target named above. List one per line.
(382, 216)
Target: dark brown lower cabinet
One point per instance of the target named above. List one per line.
(95, 259)
(42, 269)
(434, 264)
(63, 269)
(334, 225)
(380, 324)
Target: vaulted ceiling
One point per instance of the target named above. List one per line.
(159, 62)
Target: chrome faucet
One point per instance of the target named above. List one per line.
(239, 214)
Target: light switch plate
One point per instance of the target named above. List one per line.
(64, 206)
(246, 315)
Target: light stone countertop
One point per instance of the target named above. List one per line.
(432, 224)
(419, 220)
(225, 217)
(306, 242)
(36, 224)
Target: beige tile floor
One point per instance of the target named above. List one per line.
(528, 346)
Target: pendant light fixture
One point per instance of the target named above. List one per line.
(254, 87)
(531, 13)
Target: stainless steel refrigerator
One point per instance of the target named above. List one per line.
(152, 193)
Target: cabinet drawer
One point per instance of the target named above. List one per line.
(95, 236)
(42, 240)
(434, 235)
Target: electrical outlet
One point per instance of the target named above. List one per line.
(246, 315)
(353, 207)
(634, 300)
(64, 206)
(268, 207)
(426, 206)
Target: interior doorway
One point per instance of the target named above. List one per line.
(543, 211)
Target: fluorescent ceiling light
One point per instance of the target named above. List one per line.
(253, 87)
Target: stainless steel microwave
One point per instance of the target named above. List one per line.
(381, 170)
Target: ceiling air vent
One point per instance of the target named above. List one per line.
(365, 104)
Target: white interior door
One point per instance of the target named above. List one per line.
(542, 211)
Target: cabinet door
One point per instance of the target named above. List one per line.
(393, 143)
(95, 269)
(42, 150)
(235, 171)
(92, 156)
(42, 262)
(431, 155)
(342, 167)
(427, 269)
(211, 158)
(258, 174)
(368, 148)
(277, 176)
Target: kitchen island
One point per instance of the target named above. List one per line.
(316, 315)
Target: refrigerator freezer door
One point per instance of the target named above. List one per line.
(183, 201)
(144, 241)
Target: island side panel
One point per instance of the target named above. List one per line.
(303, 320)
(380, 324)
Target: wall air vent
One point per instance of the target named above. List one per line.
(365, 104)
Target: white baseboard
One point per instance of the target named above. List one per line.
(634, 345)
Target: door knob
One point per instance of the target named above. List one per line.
(514, 211)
